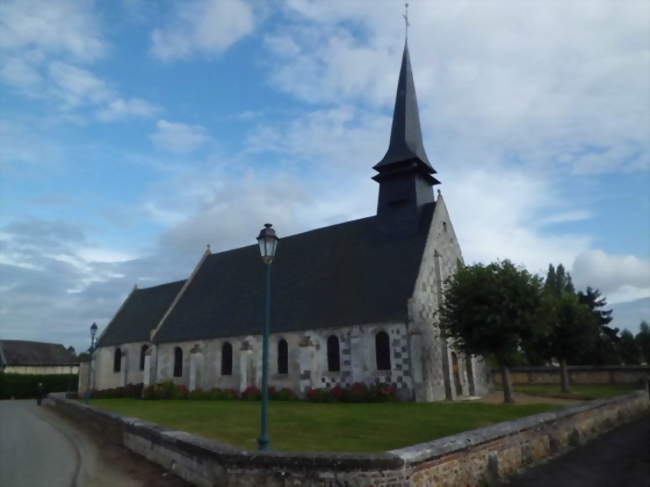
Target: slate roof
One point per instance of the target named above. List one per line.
(141, 312)
(22, 352)
(341, 275)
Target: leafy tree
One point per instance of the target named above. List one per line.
(643, 341)
(571, 324)
(558, 281)
(629, 350)
(491, 310)
(572, 327)
(604, 351)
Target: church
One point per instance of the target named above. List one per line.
(351, 302)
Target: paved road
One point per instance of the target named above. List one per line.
(620, 458)
(40, 449)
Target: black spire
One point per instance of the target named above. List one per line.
(405, 173)
(406, 135)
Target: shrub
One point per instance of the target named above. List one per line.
(382, 392)
(180, 392)
(199, 394)
(130, 390)
(284, 394)
(229, 394)
(336, 394)
(23, 386)
(251, 393)
(317, 395)
(150, 392)
(358, 392)
(165, 390)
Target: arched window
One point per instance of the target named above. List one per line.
(143, 353)
(333, 354)
(382, 349)
(283, 357)
(226, 359)
(178, 362)
(117, 360)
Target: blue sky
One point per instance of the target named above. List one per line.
(135, 132)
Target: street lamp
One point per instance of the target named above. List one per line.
(93, 332)
(268, 243)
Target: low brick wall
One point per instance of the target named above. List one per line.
(579, 374)
(472, 458)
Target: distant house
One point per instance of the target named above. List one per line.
(24, 357)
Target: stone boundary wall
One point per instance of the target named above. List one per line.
(578, 374)
(472, 458)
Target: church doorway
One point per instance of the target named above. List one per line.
(456, 373)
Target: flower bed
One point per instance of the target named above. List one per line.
(358, 392)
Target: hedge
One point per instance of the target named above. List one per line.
(24, 386)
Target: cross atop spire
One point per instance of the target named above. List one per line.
(406, 20)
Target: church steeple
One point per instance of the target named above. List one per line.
(405, 173)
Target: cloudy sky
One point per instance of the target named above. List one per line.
(135, 132)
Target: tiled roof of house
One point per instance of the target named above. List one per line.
(139, 314)
(345, 274)
(22, 352)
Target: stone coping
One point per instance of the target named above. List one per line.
(188, 443)
(451, 444)
(579, 368)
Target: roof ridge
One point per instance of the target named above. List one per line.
(161, 285)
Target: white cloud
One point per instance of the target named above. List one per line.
(62, 27)
(488, 72)
(620, 277)
(120, 108)
(179, 137)
(43, 46)
(567, 217)
(206, 27)
(76, 86)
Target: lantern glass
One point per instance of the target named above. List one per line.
(93, 330)
(268, 243)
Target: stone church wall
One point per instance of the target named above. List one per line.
(439, 371)
(103, 361)
(307, 360)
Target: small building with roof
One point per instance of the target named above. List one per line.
(27, 357)
(352, 302)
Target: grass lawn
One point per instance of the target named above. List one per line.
(578, 391)
(303, 426)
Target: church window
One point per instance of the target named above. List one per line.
(382, 349)
(283, 357)
(178, 362)
(143, 353)
(226, 359)
(333, 354)
(117, 360)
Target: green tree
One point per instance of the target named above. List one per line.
(629, 350)
(605, 350)
(572, 327)
(643, 341)
(492, 311)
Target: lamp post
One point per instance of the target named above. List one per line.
(93, 332)
(268, 243)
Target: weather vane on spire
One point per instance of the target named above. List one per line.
(406, 19)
